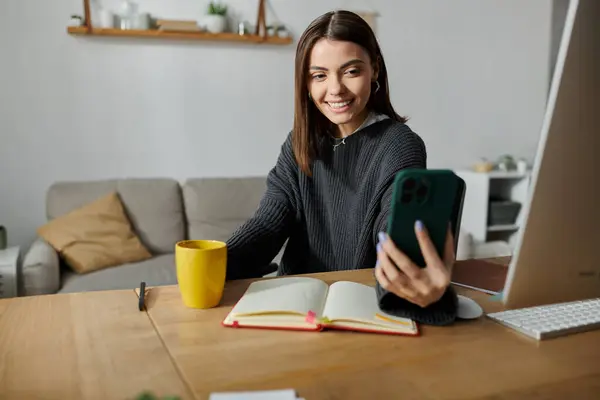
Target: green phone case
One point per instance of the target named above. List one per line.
(429, 196)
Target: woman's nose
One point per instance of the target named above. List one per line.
(336, 86)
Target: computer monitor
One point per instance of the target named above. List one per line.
(557, 254)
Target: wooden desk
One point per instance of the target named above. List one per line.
(94, 345)
(97, 345)
(471, 359)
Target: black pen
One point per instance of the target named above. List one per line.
(141, 304)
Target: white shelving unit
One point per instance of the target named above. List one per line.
(481, 188)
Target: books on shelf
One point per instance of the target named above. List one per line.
(302, 303)
(177, 26)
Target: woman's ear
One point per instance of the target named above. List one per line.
(376, 69)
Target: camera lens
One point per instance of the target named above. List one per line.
(409, 184)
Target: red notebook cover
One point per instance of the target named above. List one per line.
(321, 326)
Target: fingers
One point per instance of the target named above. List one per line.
(397, 273)
(437, 270)
(400, 290)
(382, 278)
(398, 258)
(391, 272)
(392, 279)
(430, 254)
(449, 255)
(395, 282)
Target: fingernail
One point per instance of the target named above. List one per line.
(378, 247)
(377, 264)
(381, 237)
(419, 225)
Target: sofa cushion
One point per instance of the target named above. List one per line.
(154, 206)
(216, 207)
(157, 271)
(95, 236)
(40, 270)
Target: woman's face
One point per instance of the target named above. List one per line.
(340, 78)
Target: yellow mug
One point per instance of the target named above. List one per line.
(201, 269)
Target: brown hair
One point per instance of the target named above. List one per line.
(310, 126)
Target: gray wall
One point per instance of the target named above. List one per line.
(472, 75)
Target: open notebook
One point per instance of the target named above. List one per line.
(300, 303)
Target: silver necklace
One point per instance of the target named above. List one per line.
(336, 145)
(371, 118)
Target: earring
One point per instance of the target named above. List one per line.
(309, 96)
(378, 86)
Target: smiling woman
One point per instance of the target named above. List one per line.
(329, 193)
(341, 71)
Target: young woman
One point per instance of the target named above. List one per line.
(329, 193)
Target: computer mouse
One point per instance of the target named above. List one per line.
(468, 308)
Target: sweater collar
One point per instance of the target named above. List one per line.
(372, 118)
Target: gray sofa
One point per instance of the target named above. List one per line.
(162, 212)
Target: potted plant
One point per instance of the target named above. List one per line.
(506, 163)
(76, 20)
(216, 19)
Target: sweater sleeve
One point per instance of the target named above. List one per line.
(407, 150)
(256, 242)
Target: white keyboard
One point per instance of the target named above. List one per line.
(553, 320)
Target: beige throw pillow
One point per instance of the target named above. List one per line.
(96, 236)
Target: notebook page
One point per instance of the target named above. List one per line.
(355, 301)
(293, 294)
(285, 394)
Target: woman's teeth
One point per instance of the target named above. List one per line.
(340, 105)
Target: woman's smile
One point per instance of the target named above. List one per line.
(340, 106)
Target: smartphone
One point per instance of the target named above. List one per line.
(432, 196)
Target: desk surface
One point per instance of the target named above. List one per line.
(471, 359)
(98, 345)
(94, 345)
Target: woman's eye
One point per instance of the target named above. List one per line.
(318, 76)
(353, 72)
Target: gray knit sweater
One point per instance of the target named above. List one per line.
(331, 219)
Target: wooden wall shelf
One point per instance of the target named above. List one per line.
(260, 35)
(155, 33)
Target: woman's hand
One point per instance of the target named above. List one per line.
(396, 273)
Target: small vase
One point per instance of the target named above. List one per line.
(215, 23)
(107, 19)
